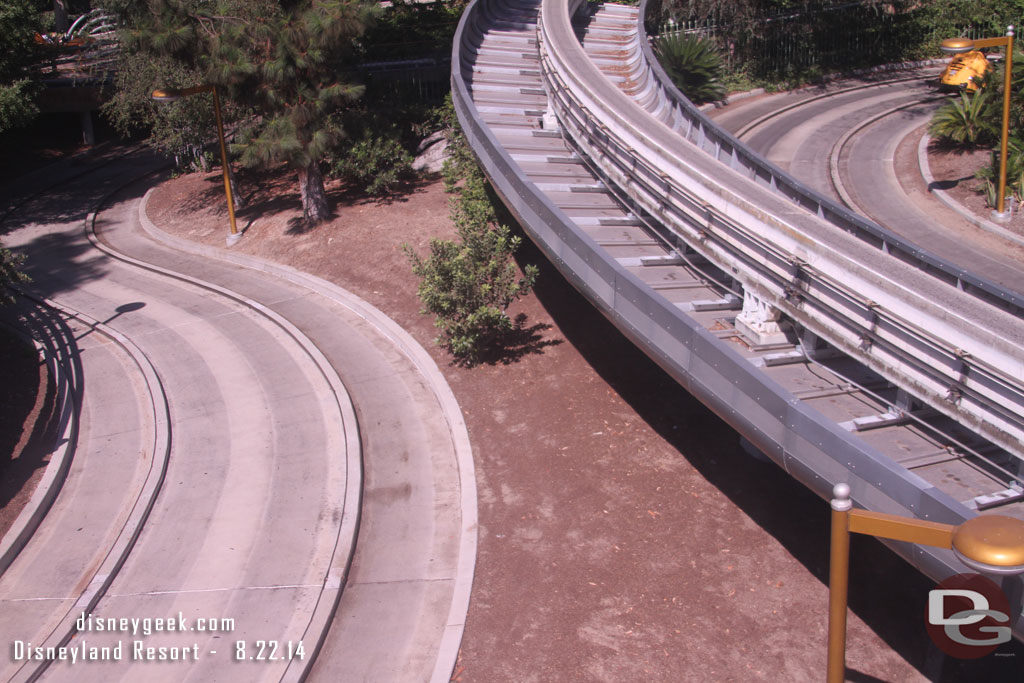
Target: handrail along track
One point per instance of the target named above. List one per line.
(947, 343)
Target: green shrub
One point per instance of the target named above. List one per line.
(16, 105)
(695, 66)
(19, 19)
(376, 164)
(459, 159)
(470, 282)
(965, 122)
(10, 273)
(468, 285)
(989, 175)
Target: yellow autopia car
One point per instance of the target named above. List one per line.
(965, 71)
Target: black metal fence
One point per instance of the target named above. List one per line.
(827, 38)
(420, 80)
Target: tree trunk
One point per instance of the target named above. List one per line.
(314, 197)
(61, 21)
(238, 197)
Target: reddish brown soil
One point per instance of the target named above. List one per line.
(26, 416)
(954, 172)
(624, 535)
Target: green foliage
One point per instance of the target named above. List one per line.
(10, 273)
(459, 159)
(377, 164)
(967, 121)
(412, 30)
(160, 48)
(794, 41)
(293, 81)
(16, 105)
(178, 129)
(989, 175)
(277, 64)
(469, 283)
(740, 80)
(940, 19)
(19, 20)
(694, 65)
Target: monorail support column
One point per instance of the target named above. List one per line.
(88, 132)
(759, 321)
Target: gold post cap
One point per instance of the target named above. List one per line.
(957, 46)
(166, 94)
(991, 543)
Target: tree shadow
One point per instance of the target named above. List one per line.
(62, 203)
(949, 146)
(59, 262)
(887, 593)
(275, 191)
(21, 387)
(48, 328)
(944, 146)
(349, 194)
(948, 184)
(512, 345)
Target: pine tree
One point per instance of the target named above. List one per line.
(279, 63)
(18, 21)
(294, 83)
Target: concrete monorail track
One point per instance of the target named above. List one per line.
(831, 350)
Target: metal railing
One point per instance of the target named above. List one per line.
(927, 338)
(810, 447)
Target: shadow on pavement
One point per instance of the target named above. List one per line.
(49, 228)
(46, 327)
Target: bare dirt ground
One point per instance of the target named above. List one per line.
(624, 535)
(954, 173)
(26, 416)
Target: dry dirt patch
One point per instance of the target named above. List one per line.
(624, 535)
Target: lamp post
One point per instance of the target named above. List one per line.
(959, 46)
(172, 94)
(991, 544)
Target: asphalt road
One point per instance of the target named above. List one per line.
(239, 431)
(841, 140)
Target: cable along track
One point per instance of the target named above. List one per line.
(809, 405)
(971, 469)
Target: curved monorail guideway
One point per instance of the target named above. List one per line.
(841, 350)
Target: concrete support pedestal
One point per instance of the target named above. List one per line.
(759, 322)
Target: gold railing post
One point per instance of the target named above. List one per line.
(224, 163)
(172, 94)
(838, 582)
(1005, 134)
(991, 544)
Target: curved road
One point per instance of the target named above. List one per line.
(857, 142)
(225, 485)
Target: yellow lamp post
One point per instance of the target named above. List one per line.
(172, 94)
(961, 45)
(992, 544)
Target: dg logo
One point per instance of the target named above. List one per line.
(968, 616)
